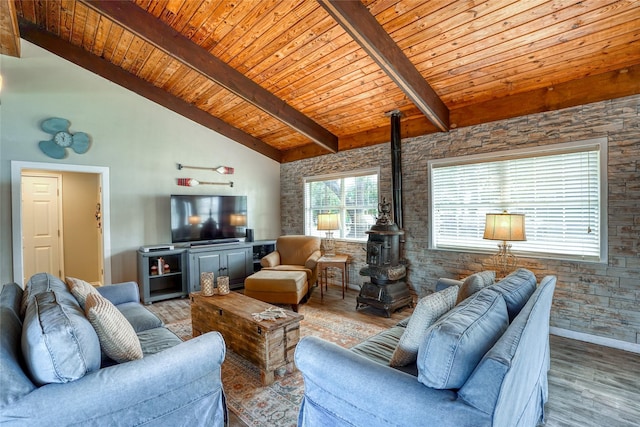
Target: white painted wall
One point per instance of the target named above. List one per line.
(139, 141)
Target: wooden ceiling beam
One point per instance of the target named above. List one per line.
(409, 128)
(117, 75)
(600, 87)
(360, 24)
(9, 31)
(163, 37)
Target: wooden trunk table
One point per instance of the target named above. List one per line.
(268, 344)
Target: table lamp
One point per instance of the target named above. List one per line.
(505, 227)
(328, 222)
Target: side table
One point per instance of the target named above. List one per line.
(339, 261)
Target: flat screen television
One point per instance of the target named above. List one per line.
(197, 219)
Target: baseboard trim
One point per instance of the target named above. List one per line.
(594, 339)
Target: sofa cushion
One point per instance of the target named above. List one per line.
(11, 299)
(58, 342)
(117, 337)
(80, 289)
(156, 340)
(427, 311)
(380, 347)
(139, 317)
(15, 383)
(474, 283)
(120, 293)
(516, 289)
(40, 282)
(512, 372)
(455, 344)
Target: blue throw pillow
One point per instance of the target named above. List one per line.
(516, 289)
(474, 283)
(455, 344)
(38, 283)
(58, 342)
(14, 383)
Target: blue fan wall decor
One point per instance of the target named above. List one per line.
(62, 139)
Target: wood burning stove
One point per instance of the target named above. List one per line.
(386, 290)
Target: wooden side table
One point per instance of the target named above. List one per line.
(339, 261)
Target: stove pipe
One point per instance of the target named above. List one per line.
(396, 168)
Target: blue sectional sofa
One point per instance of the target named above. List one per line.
(54, 370)
(484, 362)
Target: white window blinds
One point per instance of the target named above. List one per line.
(558, 188)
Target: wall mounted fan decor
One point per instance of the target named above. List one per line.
(62, 139)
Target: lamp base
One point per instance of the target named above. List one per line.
(328, 244)
(504, 261)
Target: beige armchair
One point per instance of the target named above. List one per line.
(295, 253)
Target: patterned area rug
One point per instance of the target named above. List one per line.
(277, 404)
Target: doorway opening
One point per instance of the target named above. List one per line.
(86, 251)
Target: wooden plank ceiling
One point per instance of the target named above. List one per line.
(301, 78)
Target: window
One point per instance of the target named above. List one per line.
(561, 189)
(354, 196)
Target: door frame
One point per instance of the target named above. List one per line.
(16, 210)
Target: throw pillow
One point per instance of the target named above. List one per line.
(427, 311)
(474, 283)
(38, 283)
(455, 344)
(80, 289)
(117, 337)
(516, 289)
(58, 342)
(14, 382)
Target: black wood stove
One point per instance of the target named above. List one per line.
(387, 290)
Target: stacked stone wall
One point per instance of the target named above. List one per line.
(597, 299)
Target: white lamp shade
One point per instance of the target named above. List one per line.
(328, 221)
(505, 226)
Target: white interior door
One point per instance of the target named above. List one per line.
(42, 222)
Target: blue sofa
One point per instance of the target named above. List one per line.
(175, 383)
(483, 363)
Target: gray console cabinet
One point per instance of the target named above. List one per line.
(235, 261)
(170, 283)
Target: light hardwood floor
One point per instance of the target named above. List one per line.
(589, 385)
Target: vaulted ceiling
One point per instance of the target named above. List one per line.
(295, 79)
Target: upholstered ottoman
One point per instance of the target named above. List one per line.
(277, 287)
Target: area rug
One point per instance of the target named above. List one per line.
(278, 403)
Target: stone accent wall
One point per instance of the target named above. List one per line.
(596, 299)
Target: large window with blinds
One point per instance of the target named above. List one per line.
(353, 196)
(561, 189)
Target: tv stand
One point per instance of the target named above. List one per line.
(233, 260)
(224, 257)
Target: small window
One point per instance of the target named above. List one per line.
(353, 196)
(561, 189)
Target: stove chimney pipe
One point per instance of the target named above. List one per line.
(396, 167)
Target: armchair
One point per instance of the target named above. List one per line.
(295, 253)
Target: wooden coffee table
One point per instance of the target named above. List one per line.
(268, 344)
